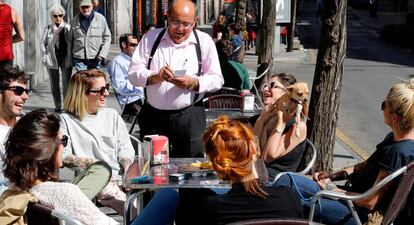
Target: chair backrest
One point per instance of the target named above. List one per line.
(224, 101)
(400, 196)
(38, 214)
(314, 153)
(272, 221)
(309, 165)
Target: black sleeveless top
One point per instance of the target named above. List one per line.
(289, 162)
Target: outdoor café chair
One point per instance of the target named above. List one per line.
(405, 177)
(259, 77)
(273, 221)
(224, 101)
(127, 95)
(38, 214)
(308, 166)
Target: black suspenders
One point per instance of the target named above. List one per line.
(155, 46)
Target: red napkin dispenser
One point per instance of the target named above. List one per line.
(157, 147)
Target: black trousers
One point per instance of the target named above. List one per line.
(184, 128)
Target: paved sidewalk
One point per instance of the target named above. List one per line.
(386, 15)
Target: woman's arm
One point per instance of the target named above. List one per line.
(278, 144)
(73, 161)
(371, 201)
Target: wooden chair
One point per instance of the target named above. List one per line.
(273, 221)
(309, 165)
(403, 189)
(224, 101)
(38, 214)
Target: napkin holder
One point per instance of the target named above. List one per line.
(156, 149)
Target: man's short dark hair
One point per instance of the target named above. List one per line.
(224, 48)
(124, 38)
(235, 28)
(10, 74)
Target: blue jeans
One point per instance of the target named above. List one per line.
(82, 65)
(327, 211)
(160, 210)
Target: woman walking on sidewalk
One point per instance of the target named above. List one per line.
(54, 46)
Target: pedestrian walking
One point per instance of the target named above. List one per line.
(54, 47)
(90, 38)
(9, 22)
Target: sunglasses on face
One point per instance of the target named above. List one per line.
(132, 44)
(100, 90)
(17, 90)
(383, 105)
(271, 85)
(64, 140)
(56, 16)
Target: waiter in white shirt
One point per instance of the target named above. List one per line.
(174, 80)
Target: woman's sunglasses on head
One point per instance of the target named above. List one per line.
(100, 90)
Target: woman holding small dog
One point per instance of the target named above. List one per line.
(281, 148)
(394, 152)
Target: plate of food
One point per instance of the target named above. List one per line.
(197, 166)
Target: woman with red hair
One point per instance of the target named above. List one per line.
(231, 148)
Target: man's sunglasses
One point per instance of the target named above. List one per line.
(100, 90)
(17, 90)
(132, 44)
(56, 16)
(64, 140)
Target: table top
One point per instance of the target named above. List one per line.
(159, 177)
(213, 114)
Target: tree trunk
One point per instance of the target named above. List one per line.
(291, 27)
(241, 15)
(327, 82)
(266, 38)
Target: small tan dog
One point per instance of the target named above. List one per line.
(294, 102)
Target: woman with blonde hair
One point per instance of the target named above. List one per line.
(394, 152)
(96, 133)
(56, 54)
(232, 150)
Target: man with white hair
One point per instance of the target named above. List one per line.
(90, 37)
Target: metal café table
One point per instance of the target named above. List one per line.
(213, 114)
(160, 179)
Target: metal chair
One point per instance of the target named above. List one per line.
(309, 165)
(406, 179)
(259, 77)
(118, 93)
(274, 221)
(224, 101)
(38, 214)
